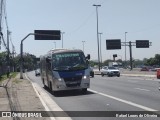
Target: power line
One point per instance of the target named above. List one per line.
(3, 14)
(84, 22)
(1, 9)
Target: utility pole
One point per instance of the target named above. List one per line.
(97, 34)
(8, 33)
(8, 54)
(1, 9)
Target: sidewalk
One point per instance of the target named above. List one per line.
(22, 97)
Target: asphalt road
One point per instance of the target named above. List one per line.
(110, 94)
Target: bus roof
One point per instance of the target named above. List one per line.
(64, 50)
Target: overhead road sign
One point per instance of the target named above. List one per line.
(47, 34)
(142, 43)
(112, 44)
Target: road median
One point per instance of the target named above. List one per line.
(133, 74)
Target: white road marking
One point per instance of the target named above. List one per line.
(141, 89)
(132, 81)
(48, 103)
(143, 78)
(109, 96)
(124, 101)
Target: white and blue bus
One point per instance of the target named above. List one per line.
(63, 69)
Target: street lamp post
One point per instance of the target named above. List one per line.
(97, 34)
(120, 56)
(125, 50)
(83, 45)
(54, 45)
(100, 48)
(62, 38)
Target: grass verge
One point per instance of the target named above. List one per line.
(4, 77)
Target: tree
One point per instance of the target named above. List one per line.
(157, 59)
(3, 58)
(151, 61)
(3, 63)
(105, 63)
(29, 62)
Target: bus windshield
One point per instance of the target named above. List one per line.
(69, 61)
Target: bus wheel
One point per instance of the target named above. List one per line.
(102, 74)
(45, 87)
(84, 90)
(51, 90)
(50, 86)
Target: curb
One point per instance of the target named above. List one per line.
(139, 75)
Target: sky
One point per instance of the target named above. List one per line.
(77, 18)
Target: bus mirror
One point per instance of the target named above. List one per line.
(48, 60)
(88, 57)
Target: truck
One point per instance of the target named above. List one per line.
(65, 69)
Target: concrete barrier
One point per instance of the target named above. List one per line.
(135, 73)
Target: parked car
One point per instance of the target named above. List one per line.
(37, 72)
(91, 72)
(144, 69)
(110, 71)
(158, 73)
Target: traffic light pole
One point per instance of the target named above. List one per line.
(130, 44)
(21, 57)
(130, 50)
(112, 44)
(21, 49)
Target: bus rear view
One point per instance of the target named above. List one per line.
(65, 70)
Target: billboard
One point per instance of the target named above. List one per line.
(142, 43)
(112, 44)
(47, 34)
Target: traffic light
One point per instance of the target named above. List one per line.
(112, 44)
(142, 43)
(114, 55)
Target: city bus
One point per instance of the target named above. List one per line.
(64, 69)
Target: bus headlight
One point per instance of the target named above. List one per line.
(85, 77)
(60, 79)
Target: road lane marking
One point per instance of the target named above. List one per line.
(141, 89)
(132, 81)
(124, 101)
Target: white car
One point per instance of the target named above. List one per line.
(37, 72)
(110, 71)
